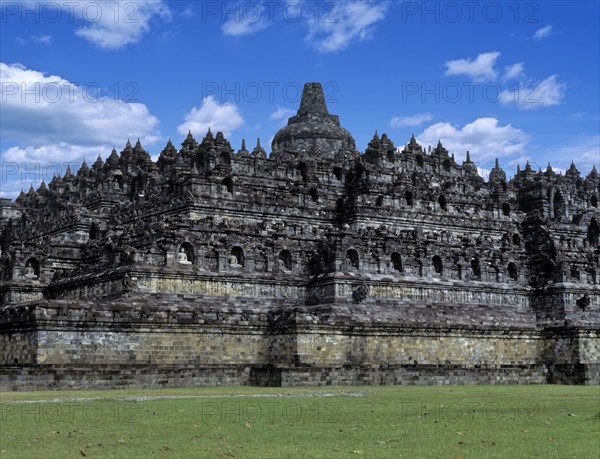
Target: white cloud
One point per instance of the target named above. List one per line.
(115, 24)
(219, 117)
(41, 39)
(543, 32)
(584, 151)
(485, 138)
(40, 110)
(532, 95)
(110, 25)
(347, 22)
(281, 114)
(46, 156)
(245, 18)
(51, 122)
(514, 71)
(188, 12)
(480, 69)
(24, 166)
(414, 120)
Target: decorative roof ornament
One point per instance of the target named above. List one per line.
(497, 175)
(259, 151)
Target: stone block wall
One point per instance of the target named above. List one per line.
(173, 340)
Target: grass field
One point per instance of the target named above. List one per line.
(350, 422)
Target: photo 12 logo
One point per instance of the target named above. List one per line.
(55, 92)
(268, 412)
(469, 11)
(72, 412)
(267, 12)
(270, 91)
(52, 12)
(34, 172)
(471, 412)
(469, 91)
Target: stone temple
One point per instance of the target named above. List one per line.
(315, 264)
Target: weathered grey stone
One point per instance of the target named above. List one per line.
(315, 264)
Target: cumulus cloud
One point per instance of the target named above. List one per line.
(188, 12)
(529, 96)
(485, 138)
(50, 122)
(543, 32)
(40, 109)
(115, 24)
(514, 71)
(38, 39)
(54, 153)
(480, 69)
(331, 27)
(584, 151)
(348, 22)
(25, 166)
(219, 117)
(109, 25)
(246, 18)
(414, 120)
(281, 114)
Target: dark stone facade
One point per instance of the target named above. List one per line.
(316, 264)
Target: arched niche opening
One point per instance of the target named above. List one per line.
(303, 170)
(237, 258)
(396, 260)
(314, 195)
(32, 268)
(379, 201)
(475, 269)
(558, 204)
(506, 209)
(285, 260)
(516, 239)
(513, 274)
(138, 186)
(446, 165)
(107, 255)
(118, 182)
(409, 198)
(352, 259)
(227, 184)
(438, 266)
(224, 159)
(593, 232)
(419, 160)
(442, 202)
(575, 275)
(94, 231)
(337, 173)
(549, 269)
(185, 255)
(594, 201)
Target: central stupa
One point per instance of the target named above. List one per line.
(313, 129)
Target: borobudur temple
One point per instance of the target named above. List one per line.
(314, 264)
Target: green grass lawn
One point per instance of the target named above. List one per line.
(385, 422)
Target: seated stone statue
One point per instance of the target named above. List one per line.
(233, 262)
(182, 257)
(30, 272)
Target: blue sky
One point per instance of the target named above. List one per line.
(513, 80)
